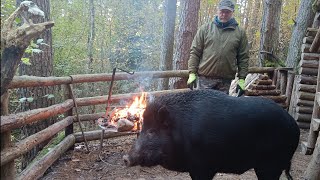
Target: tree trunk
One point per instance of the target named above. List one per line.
(41, 65)
(304, 19)
(91, 35)
(253, 26)
(187, 30)
(269, 38)
(166, 57)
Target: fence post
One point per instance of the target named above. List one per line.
(7, 170)
(69, 129)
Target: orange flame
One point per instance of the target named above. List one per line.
(133, 112)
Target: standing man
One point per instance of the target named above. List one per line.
(219, 50)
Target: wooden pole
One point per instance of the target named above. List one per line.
(96, 135)
(8, 170)
(69, 129)
(38, 168)
(77, 115)
(28, 143)
(289, 87)
(14, 121)
(17, 120)
(283, 81)
(33, 81)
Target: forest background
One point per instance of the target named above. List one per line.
(95, 36)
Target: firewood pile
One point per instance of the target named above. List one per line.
(263, 86)
(304, 88)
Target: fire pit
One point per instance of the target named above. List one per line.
(127, 118)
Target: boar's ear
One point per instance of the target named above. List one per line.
(163, 115)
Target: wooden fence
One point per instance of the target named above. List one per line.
(10, 151)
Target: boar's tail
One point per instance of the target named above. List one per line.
(287, 171)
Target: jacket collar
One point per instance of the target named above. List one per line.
(231, 24)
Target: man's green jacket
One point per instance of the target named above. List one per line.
(219, 52)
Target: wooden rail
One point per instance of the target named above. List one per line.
(13, 121)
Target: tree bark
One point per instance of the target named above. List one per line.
(187, 30)
(304, 19)
(270, 28)
(41, 65)
(166, 57)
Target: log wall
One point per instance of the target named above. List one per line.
(304, 87)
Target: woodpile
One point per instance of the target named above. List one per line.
(304, 88)
(265, 87)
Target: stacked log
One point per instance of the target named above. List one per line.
(264, 86)
(304, 88)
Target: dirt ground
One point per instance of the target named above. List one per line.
(108, 164)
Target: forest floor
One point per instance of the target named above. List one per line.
(108, 164)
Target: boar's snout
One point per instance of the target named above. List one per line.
(126, 160)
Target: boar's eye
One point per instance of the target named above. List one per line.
(151, 132)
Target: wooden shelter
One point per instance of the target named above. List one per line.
(304, 86)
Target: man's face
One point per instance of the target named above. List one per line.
(225, 15)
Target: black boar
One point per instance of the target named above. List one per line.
(204, 132)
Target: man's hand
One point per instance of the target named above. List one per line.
(192, 81)
(240, 87)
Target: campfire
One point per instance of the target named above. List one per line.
(127, 118)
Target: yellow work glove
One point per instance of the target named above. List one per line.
(192, 81)
(240, 87)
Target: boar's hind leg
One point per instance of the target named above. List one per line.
(202, 174)
(268, 174)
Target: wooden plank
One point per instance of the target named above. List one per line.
(309, 63)
(305, 103)
(262, 87)
(318, 97)
(38, 168)
(277, 99)
(310, 56)
(304, 109)
(308, 71)
(302, 117)
(264, 82)
(304, 79)
(307, 88)
(306, 96)
(262, 92)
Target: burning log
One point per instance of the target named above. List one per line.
(125, 125)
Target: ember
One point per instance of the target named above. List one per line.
(128, 118)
